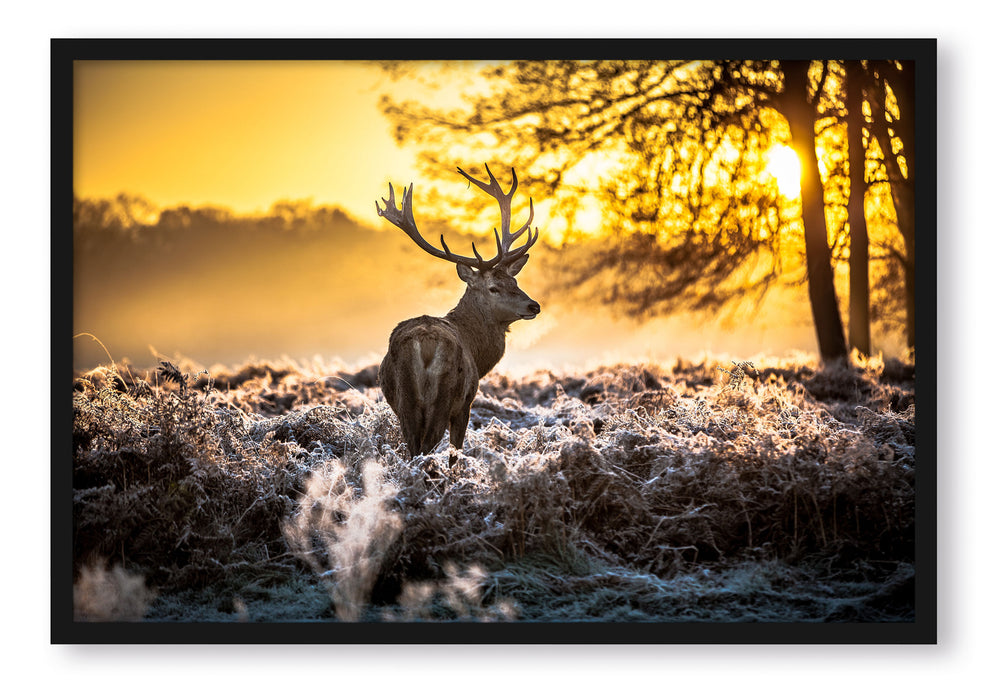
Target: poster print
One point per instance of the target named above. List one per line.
(636, 371)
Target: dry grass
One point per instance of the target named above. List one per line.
(343, 536)
(105, 595)
(578, 496)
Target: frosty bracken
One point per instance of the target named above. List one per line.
(430, 374)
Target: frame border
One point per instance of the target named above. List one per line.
(64, 630)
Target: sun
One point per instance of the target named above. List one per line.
(784, 166)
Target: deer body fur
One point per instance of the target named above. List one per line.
(429, 379)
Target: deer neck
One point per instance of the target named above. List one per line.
(483, 337)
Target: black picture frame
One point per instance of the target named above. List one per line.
(64, 630)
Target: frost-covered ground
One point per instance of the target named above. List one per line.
(776, 491)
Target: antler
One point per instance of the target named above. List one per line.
(403, 219)
(504, 199)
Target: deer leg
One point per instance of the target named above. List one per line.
(411, 424)
(432, 433)
(412, 442)
(458, 429)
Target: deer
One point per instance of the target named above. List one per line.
(432, 368)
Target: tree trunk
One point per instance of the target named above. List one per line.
(796, 109)
(859, 242)
(903, 84)
(901, 188)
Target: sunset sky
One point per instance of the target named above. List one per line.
(238, 134)
(242, 135)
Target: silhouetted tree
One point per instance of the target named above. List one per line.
(859, 242)
(108, 221)
(892, 102)
(689, 222)
(801, 116)
(670, 130)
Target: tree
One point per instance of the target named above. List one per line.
(802, 116)
(690, 220)
(859, 242)
(667, 133)
(892, 101)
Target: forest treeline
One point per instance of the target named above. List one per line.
(127, 230)
(297, 279)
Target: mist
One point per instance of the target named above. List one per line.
(303, 282)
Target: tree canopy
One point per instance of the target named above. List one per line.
(672, 154)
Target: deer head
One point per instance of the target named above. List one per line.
(491, 282)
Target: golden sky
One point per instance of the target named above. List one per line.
(242, 135)
(236, 134)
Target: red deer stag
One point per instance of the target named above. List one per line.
(430, 374)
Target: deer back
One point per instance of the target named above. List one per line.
(427, 376)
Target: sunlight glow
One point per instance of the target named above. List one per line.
(784, 166)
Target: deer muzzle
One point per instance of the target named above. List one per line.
(533, 309)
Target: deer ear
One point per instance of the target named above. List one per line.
(466, 272)
(514, 267)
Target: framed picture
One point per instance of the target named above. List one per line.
(286, 410)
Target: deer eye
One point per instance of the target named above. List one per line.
(493, 290)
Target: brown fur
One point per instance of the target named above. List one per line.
(430, 374)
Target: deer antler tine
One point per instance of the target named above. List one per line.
(407, 211)
(492, 182)
(385, 201)
(484, 187)
(481, 260)
(532, 213)
(532, 234)
(515, 182)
